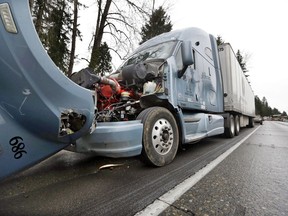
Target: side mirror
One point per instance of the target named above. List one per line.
(187, 54)
(187, 57)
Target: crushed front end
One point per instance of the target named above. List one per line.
(121, 96)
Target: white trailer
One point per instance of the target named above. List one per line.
(239, 104)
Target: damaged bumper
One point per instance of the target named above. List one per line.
(112, 139)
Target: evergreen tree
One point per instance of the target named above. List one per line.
(241, 61)
(103, 62)
(263, 109)
(275, 111)
(219, 40)
(266, 109)
(40, 12)
(58, 34)
(31, 3)
(258, 106)
(159, 22)
(53, 24)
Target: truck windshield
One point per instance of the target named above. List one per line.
(159, 51)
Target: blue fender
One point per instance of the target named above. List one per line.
(41, 110)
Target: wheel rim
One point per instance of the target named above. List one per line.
(162, 136)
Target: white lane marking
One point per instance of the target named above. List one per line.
(167, 199)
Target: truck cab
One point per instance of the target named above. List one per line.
(170, 92)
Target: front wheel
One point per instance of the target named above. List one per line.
(160, 136)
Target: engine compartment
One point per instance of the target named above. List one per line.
(118, 95)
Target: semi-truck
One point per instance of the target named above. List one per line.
(176, 88)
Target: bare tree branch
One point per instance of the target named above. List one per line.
(122, 18)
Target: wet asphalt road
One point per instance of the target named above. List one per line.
(253, 180)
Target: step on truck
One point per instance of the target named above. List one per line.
(175, 89)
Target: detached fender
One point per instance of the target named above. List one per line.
(37, 99)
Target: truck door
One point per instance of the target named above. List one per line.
(189, 86)
(196, 89)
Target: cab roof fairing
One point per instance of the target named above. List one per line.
(179, 35)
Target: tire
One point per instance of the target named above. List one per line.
(160, 136)
(230, 130)
(237, 125)
(251, 123)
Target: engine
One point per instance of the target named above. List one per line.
(118, 95)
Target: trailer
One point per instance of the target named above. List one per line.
(175, 89)
(239, 104)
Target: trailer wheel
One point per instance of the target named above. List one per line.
(230, 129)
(251, 122)
(160, 136)
(237, 125)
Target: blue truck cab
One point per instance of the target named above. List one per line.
(173, 95)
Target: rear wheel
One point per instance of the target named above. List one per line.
(160, 136)
(237, 125)
(230, 128)
(251, 122)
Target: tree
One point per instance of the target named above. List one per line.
(159, 22)
(58, 33)
(266, 109)
(31, 3)
(241, 61)
(100, 25)
(40, 10)
(263, 109)
(53, 24)
(258, 106)
(219, 40)
(275, 111)
(119, 20)
(103, 64)
(75, 33)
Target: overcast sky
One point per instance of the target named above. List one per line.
(257, 28)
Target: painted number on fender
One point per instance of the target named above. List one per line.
(17, 147)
